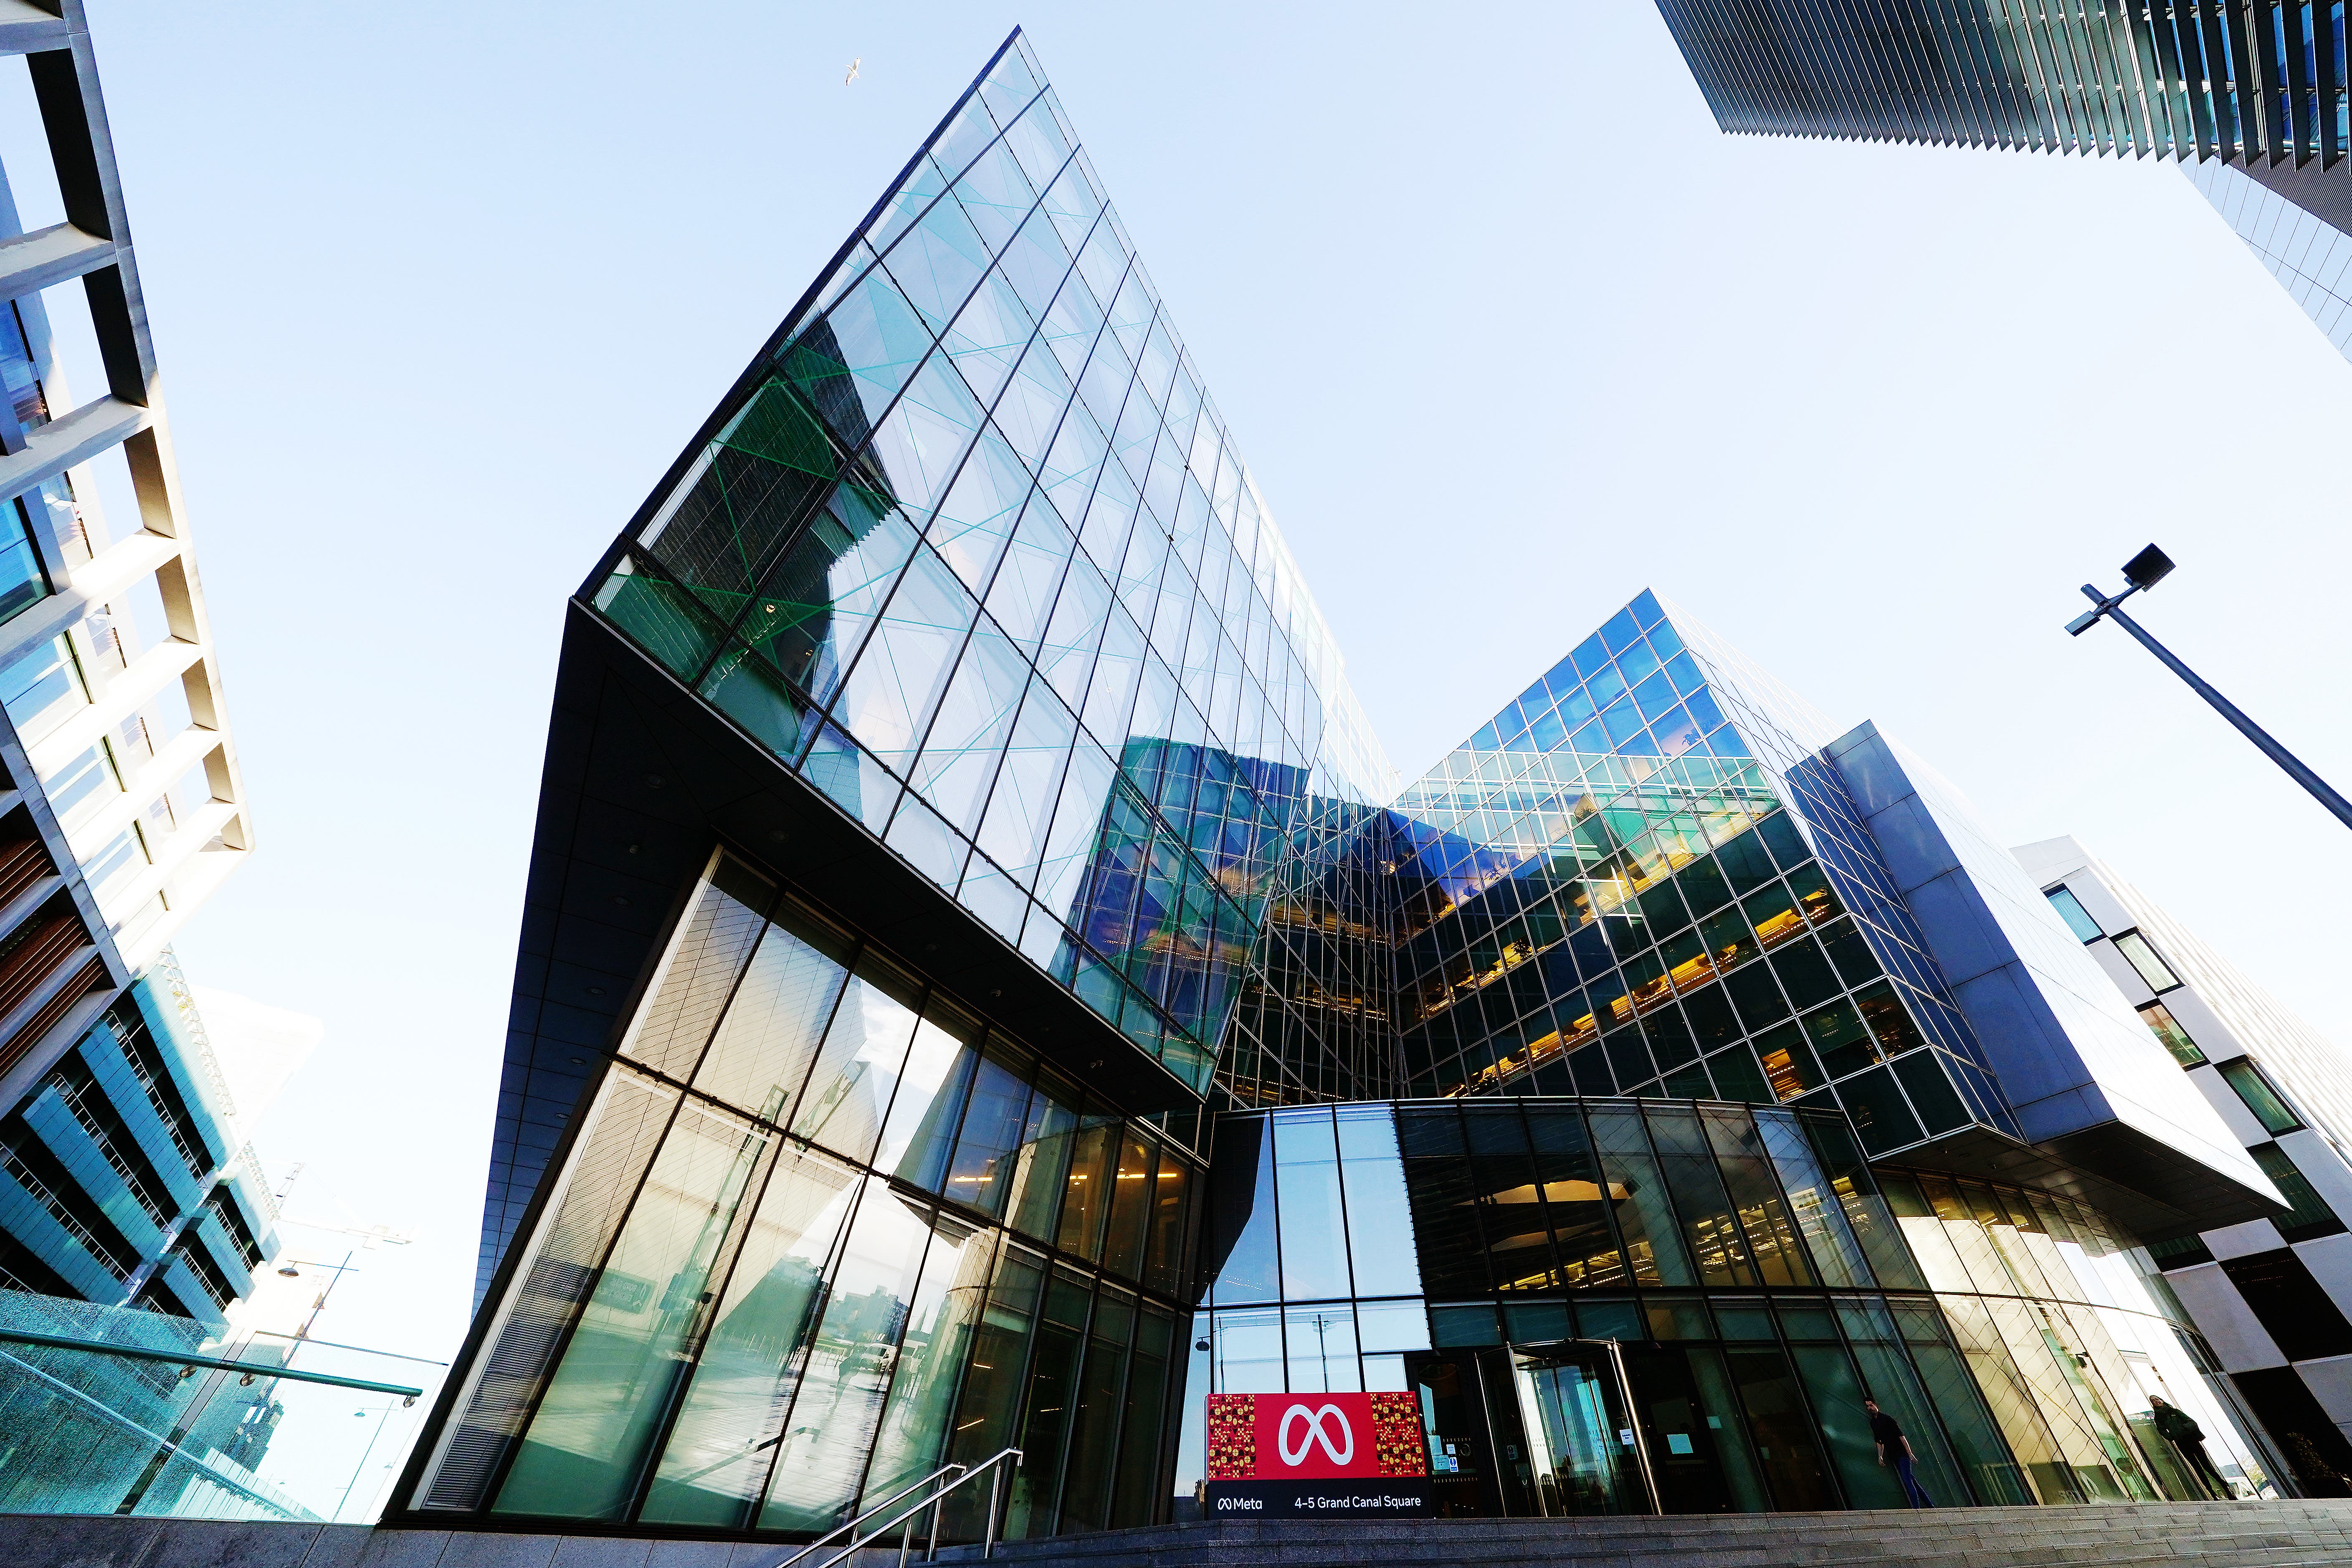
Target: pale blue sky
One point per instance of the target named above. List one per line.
(1505, 328)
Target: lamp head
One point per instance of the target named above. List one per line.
(2146, 569)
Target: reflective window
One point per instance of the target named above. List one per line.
(2175, 1038)
(2145, 962)
(2269, 1107)
(2070, 910)
(2312, 1216)
(42, 688)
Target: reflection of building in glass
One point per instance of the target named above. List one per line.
(1760, 1274)
(959, 846)
(2252, 97)
(2269, 1294)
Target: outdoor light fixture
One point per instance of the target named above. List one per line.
(2146, 569)
(2144, 572)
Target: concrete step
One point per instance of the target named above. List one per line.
(2297, 1534)
(2152, 1535)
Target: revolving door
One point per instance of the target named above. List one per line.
(1544, 1429)
(1585, 1452)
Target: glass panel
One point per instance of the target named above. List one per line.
(1446, 1240)
(1571, 1178)
(1372, 1171)
(22, 580)
(717, 1455)
(2168, 1030)
(1727, 1430)
(1163, 1257)
(2310, 1215)
(1053, 1391)
(1820, 1216)
(1245, 1351)
(2143, 958)
(1783, 1430)
(1698, 1466)
(1321, 1342)
(988, 1148)
(928, 1104)
(1844, 1426)
(1139, 1485)
(1771, 1238)
(1510, 1205)
(1095, 1423)
(697, 974)
(2070, 910)
(42, 688)
(839, 1406)
(938, 1342)
(1242, 1257)
(849, 1091)
(633, 1347)
(1691, 1176)
(1130, 1207)
(1652, 1244)
(1036, 1204)
(1314, 1233)
(1086, 1198)
(1978, 1450)
(2260, 1098)
(764, 1044)
(985, 1414)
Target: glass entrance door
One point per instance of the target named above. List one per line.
(1586, 1452)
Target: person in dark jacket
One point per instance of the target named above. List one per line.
(2179, 1429)
(1895, 1449)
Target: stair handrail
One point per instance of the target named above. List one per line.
(913, 1486)
(934, 1501)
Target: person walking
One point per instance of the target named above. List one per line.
(1895, 1449)
(2179, 1429)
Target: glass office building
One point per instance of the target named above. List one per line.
(2250, 97)
(981, 986)
(1757, 1275)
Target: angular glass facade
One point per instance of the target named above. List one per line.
(1760, 1279)
(979, 560)
(821, 1231)
(1609, 892)
(961, 852)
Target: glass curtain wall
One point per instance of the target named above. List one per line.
(2071, 1332)
(821, 1233)
(974, 555)
(1601, 892)
(1762, 1279)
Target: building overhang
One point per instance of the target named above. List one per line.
(643, 779)
(2155, 1192)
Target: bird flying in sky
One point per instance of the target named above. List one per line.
(852, 71)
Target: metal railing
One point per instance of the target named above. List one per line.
(188, 1360)
(904, 1521)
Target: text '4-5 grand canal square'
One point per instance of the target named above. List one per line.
(983, 987)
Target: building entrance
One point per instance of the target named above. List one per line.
(1586, 1454)
(1543, 1429)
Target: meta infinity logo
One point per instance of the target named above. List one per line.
(1339, 1453)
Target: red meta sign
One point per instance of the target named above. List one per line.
(1314, 1437)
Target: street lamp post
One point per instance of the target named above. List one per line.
(2144, 572)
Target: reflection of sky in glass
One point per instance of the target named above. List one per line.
(976, 554)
